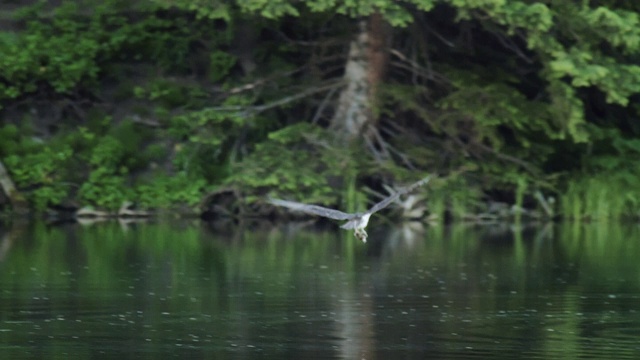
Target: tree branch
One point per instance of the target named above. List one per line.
(525, 165)
(253, 110)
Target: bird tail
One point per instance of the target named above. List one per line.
(351, 224)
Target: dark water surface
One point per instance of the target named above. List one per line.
(159, 291)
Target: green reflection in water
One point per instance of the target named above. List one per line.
(185, 290)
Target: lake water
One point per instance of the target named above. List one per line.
(199, 291)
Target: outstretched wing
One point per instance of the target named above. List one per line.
(313, 209)
(384, 203)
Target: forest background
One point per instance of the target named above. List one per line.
(208, 106)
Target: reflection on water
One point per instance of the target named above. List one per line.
(176, 290)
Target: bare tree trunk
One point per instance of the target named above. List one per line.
(364, 71)
(18, 204)
(378, 52)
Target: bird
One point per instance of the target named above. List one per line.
(356, 221)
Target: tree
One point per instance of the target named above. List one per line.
(521, 79)
(536, 94)
(574, 46)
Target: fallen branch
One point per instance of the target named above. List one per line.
(544, 203)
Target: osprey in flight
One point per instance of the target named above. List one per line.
(357, 221)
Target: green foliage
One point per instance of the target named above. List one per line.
(606, 188)
(9, 139)
(270, 9)
(105, 190)
(210, 137)
(394, 12)
(491, 105)
(601, 198)
(92, 166)
(353, 200)
(214, 10)
(221, 63)
(521, 190)
(166, 191)
(212, 126)
(567, 111)
(570, 40)
(63, 53)
(297, 161)
(539, 93)
(479, 111)
(106, 185)
(618, 81)
(171, 94)
(618, 27)
(40, 171)
(462, 199)
(69, 52)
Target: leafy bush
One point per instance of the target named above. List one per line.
(167, 191)
(40, 171)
